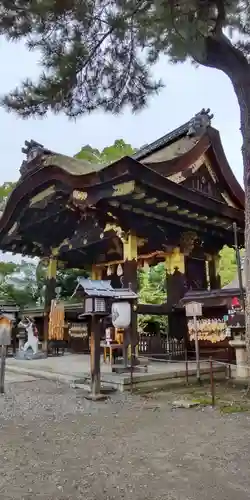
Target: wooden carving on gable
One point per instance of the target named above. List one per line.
(203, 182)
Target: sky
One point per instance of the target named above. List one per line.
(187, 91)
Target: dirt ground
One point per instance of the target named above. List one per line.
(57, 445)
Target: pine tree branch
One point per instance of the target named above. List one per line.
(221, 16)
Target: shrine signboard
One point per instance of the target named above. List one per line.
(193, 309)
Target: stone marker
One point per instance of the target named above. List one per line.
(182, 403)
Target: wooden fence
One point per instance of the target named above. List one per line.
(161, 348)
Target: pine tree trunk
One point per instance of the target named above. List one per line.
(242, 89)
(222, 55)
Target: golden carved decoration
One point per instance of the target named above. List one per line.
(187, 242)
(124, 188)
(79, 195)
(114, 227)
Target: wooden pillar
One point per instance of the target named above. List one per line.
(96, 273)
(130, 280)
(214, 271)
(175, 260)
(176, 288)
(49, 296)
(175, 275)
(95, 355)
(95, 344)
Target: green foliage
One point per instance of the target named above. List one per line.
(67, 281)
(24, 283)
(5, 190)
(108, 155)
(152, 291)
(99, 54)
(228, 265)
(18, 283)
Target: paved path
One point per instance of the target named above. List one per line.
(79, 364)
(11, 378)
(57, 446)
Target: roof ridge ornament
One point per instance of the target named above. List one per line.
(32, 150)
(199, 123)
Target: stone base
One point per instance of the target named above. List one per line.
(95, 397)
(242, 371)
(182, 403)
(28, 355)
(127, 369)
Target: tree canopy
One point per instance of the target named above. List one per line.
(108, 155)
(97, 54)
(5, 190)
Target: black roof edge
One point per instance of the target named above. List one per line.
(166, 140)
(175, 134)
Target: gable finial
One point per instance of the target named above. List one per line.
(32, 150)
(199, 123)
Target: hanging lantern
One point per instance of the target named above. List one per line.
(119, 270)
(121, 314)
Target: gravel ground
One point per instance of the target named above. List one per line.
(56, 445)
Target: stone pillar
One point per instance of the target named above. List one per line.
(242, 371)
(49, 296)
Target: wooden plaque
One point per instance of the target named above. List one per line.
(193, 309)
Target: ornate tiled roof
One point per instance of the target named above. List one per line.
(197, 124)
